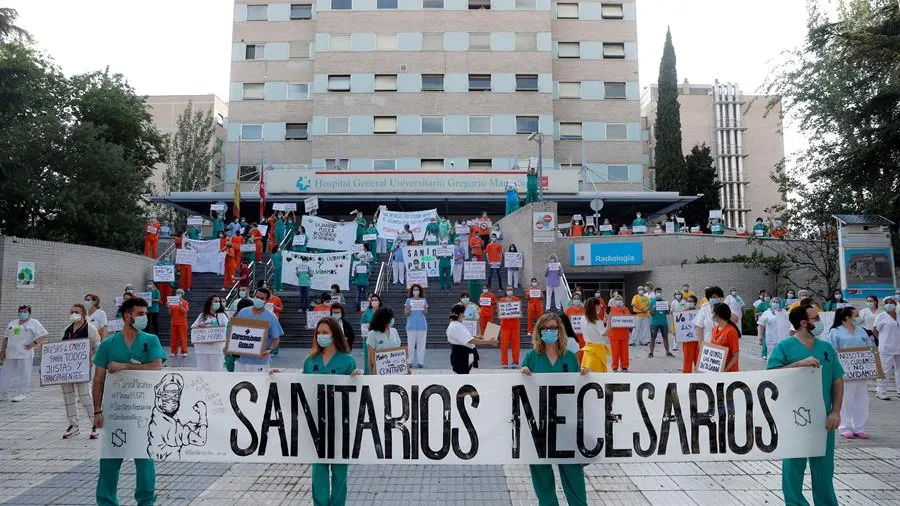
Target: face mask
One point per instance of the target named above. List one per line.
(258, 303)
(324, 340)
(179, 293)
(549, 336)
(713, 300)
(484, 290)
(690, 305)
(678, 296)
(890, 307)
(139, 323)
(336, 316)
(23, 316)
(243, 295)
(75, 317)
(838, 296)
(374, 303)
(464, 300)
(870, 305)
(509, 293)
(216, 306)
(533, 282)
(734, 292)
(684, 288)
(576, 302)
(776, 306)
(620, 303)
(816, 330)
(88, 303)
(641, 292)
(415, 293)
(791, 295)
(859, 320)
(658, 295)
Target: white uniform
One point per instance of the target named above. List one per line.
(736, 304)
(210, 355)
(777, 326)
(705, 321)
(98, 319)
(868, 317)
(889, 351)
(18, 359)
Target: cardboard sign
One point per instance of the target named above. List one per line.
(462, 229)
(684, 326)
(163, 273)
(417, 304)
(443, 251)
(246, 337)
(484, 301)
(185, 256)
(248, 248)
(113, 326)
(471, 326)
(622, 321)
(509, 310)
(370, 237)
(577, 322)
(392, 362)
(534, 294)
(860, 364)
(311, 204)
(577, 217)
(474, 270)
(712, 358)
(298, 240)
(639, 229)
(195, 220)
(362, 269)
(512, 260)
(151, 230)
(491, 331)
(313, 317)
(66, 362)
(173, 300)
(670, 227)
(417, 278)
(662, 306)
(554, 266)
(605, 228)
(209, 335)
(217, 207)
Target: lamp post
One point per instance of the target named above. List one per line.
(539, 139)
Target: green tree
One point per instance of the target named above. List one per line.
(668, 155)
(191, 152)
(9, 32)
(700, 179)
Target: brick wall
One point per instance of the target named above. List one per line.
(64, 273)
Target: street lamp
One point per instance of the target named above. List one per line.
(539, 139)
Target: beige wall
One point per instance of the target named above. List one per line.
(766, 150)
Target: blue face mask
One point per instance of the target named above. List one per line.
(216, 306)
(140, 322)
(23, 316)
(550, 336)
(258, 303)
(713, 300)
(324, 340)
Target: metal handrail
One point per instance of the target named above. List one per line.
(229, 296)
(565, 283)
(168, 252)
(381, 281)
(269, 272)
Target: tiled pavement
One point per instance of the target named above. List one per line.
(38, 467)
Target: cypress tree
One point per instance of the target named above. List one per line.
(668, 156)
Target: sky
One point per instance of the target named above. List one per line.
(184, 47)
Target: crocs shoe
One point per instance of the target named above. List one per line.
(848, 435)
(861, 435)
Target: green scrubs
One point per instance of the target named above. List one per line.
(531, 188)
(144, 349)
(366, 320)
(445, 272)
(821, 469)
(372, 231)
(276, 275)
(762, 308)
(638, 222)
(218, 226)
(571, 475)
(335, 493)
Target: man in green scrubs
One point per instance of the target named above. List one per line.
(804, 350)
(132, 349)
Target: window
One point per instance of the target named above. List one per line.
(299, 49)
(526, 41)
(526, 82)
(526, 4)
(612, 11)
(298, 91)
(340, 42)
(340, 164)
(385, 165)
(432, 82)
(433, 125)
(479, 4)
(614, 90)
(616, 132)
(337, 126)
(386, 4)
(570, 131)
(254, 91)
(614, 50)
(301, 11)
(385, 124)
(341, 5)
(255, 52)
(249, 172)
(257, 12)
(479, 41)
(569, 50)
(339, 83)
(570, 166)
(386, 42)
(433, 4)
(618, 172)
(570, 90)
(566, 11)
(432, 164)
(386, 82)
(479, 124)
(296, 131)
(251, 132)
(526, 124)
(479, 164)
(479, 82)
(432, 41)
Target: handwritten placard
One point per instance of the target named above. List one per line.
(66, 362)
(173, 300)
(115, 325)
(670, 227)
(622, 321)
(577, 322)
(404, 236)
(474, 270)
(534, 293)
(311, 204)
(553, 266)
(298, 240)
(217, 207)
(662, 306)
(509, 310)
(684, 326)
(712, 358)
(416, 304)
(392, 362)
(605, 228)
(860, 364)
(362, 268)
(485, 301)
(151, 230)
(639, 229)
(195, 220)
(369, 237)
(364, 329)
(246, 337)
(185, 256)
(248, 248)
(471, 326)
(443, 251)
(419, 277)
(462, 229)
(512, 260)
(147, 296)
(202, 335)
(313, 317)
(163, 273)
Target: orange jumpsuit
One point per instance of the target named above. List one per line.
(577, 230)
(277, 305)
(237, 241)
(690, 354)
(178, 338)
(476, 247)
(184, 270)
(231, 263)
(151, 239)
(165, 291)
(258, 242)
(535, 308)
(510, 333)
(485, 311)
(222, 241)
(601, 309)
(618, 340)
(577, 311)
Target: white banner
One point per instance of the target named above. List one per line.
(391, 222)
(185, 257)
(547, 418)
(327, 234)
(474, 270)
(326, 269)
(209, 335)
(209, 258)
(66, 362)
(163, 273)
(427, 257)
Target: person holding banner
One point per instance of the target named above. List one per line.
(533, 294)
(75, 392)
(218, 225)
(17, 354)
(726, 333)
(445, 269)
(659, 322)
(462, 342)
(804, 350)
(887, 331)
(209, 355)
(639, 225)
(549, 355)
(415, 308)
(95, 315)
(186, 279)
(846, 333)
(246, 363)
(576, 312)
(618, 337)
(595, 352)
(510, 331)
(151, 237)
(554, 284)
(300, 239)
(512, 273)
(476, 247)
(486, 303)
(382, 335)
(178, 314)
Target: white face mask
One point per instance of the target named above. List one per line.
(75, 317)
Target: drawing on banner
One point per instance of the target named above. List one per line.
(185, 256)
(544, 220)
(684, 326)
(712, 358)
(329, 235)
(390, 223)
(167, 434)
(313, 318)
(860, 364)
(25, 275)
(325, 269)
(392, 362)
(509, 310)
(163, 273)
(512, 260)
(622, 321)
(426, 257)
(66, 362)
(474, 270)
(417, 278)
(247, 337)
(209, 335)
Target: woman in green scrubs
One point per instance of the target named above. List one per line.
(551, 356)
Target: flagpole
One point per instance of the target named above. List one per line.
(237, 181)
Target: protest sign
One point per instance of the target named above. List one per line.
(543, 220)
(443, 251)
(417, 304)
(185, 256)
(390, 223)
(461, 229)
(509, 310)
(553, 266)
(577, 323)
(670, 227)
(512, 260)
(217, 207)
(605, 228)
(491, 331)
(209, 335)
(263, 229)
(474, 270)
(246, 337)
(313, 317)
(356, 248)
(173, 300)
(712, 358)
(426, 257)
(325, 269)
(195, 220)
(364, 330)
(114, 325)
(639, 229)
(369, 237)
(684, 326)
(485, 302)
(289, 206)
(471, 326)
(759, 232)
(596, 418)
(248, 248)
(151, 229)
(311, 204)
(209, 258)
(417, 278)
(329, 235)
(534, 293)
(298, 240)
(163, 273)
(622, 321)
(361, 269)
(391, 362)
(66, 362)
(715, 213)
(405, 236)
(860, 364)
(363, 305)
(147, 296)
(662, 306)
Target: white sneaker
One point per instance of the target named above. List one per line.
(71, 432)
(881, 395)
(19, 398)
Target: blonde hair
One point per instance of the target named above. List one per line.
(538, 344)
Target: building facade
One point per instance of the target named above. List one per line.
(745, 138)
(403, 89)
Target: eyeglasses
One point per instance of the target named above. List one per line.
(554, 327)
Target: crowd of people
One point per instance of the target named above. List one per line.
(591, 226)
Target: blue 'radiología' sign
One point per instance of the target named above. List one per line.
(607, 253)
